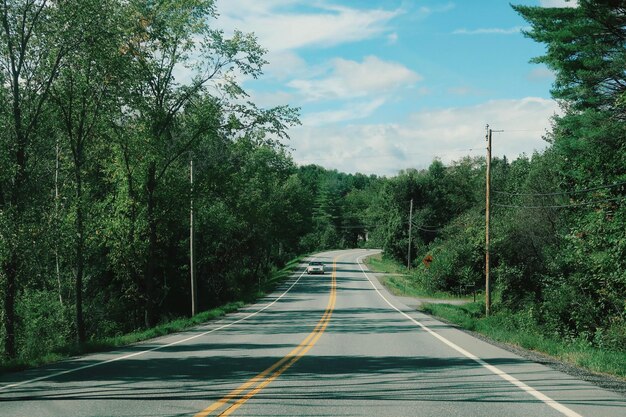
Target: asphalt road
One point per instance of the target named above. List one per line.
(330, 345)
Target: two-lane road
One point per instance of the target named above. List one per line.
(323, 345)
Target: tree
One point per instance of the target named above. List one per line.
(585, 49)
(83, 95)
(29, 61)
(171, 36)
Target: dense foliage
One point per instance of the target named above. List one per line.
(103, 105)
(559, 235)
(558, 217)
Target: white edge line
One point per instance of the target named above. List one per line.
(119, 358)
(538, 395)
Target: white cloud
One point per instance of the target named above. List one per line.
(392, 38)
(490, 31)
(280, 26)
(464, 90)
(352, 111)
(349, 79)
(284, 64)
(541, 74)
(426, 10)
(449, 134)
(558, 3)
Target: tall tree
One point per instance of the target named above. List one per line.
(84, 93)
(585, 49)
(29, 61)
(177, 59)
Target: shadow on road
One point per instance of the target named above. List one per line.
(382, 378)
(207, 371)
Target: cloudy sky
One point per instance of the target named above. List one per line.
(390, 84)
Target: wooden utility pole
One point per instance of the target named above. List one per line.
(487, 218)
(192, 268)
(408, 259)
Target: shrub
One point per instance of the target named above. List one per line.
(44, 323)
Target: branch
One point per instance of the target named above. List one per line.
(46, 89)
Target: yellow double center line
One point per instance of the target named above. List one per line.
(249, 389)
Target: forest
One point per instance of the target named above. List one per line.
(106, 106)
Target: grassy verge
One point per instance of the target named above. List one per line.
(382, 264)
(401, 281)
(281, 275)
(173, 326)
(506, 328)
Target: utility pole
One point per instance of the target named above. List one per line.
(487, 218)
(192, 268)
(408, 259)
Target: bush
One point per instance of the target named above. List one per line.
(45, 324)
(512, 284)
(613, 337)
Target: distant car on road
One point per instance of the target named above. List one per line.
(315, 268)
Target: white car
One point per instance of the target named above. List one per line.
(315, 268)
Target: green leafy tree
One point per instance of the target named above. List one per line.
(30, 61)
(164, 41)
(83, 95)
(585, 49)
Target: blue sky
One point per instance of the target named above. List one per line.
(387, 85)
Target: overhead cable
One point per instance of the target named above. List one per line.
(585, 204)
(602, 187)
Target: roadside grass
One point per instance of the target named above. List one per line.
(402, 282)
(277, 277)
(507, 328)
(503, 327)
(382, 264)
(163, 329)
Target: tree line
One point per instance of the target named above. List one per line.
(102, 106)
(558, 247)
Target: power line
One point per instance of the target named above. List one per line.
(365, 226)
(585, 204)
(602, 187)
(428, 231)
(360, 226)
(432, 228)
(327, 158)
(520, 130)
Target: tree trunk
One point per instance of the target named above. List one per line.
(149, 276)
(10, 271)
(80, 254)
(17, 198)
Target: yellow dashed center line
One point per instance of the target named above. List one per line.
(253, 386)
